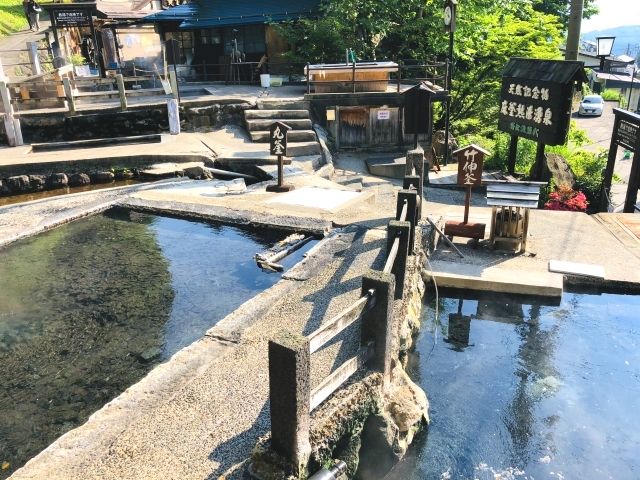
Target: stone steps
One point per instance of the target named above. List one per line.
(276, 114)
(275, 104)
(262, 136)
(254, 125)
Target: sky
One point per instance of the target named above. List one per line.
(613, 13)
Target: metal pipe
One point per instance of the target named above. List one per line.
(332, 473)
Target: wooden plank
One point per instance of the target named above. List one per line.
(514, 196)
(573, 268)
(337, 324)
(339, 376)
(512, 182)
(467, 230)
(511, 203)
(514, 188)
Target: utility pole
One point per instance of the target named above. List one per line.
(573, 32)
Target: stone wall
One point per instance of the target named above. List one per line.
(62, 127)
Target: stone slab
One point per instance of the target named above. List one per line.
(327, 199)
(477, 277)
(575, 268)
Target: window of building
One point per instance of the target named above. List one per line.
(211, 36)
(185, 43)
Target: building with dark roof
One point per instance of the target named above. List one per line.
(209, 34)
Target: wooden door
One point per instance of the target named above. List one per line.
(383, 126)
(353, 123)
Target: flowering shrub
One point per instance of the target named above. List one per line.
(566, 198)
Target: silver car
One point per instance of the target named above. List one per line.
(591, 105)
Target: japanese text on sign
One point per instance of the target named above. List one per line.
(470, 167)
(470, 162)
(277, 140)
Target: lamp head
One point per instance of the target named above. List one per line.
(605, 46)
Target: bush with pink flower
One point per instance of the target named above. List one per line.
(566, 198)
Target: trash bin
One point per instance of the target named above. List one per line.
(265, 80)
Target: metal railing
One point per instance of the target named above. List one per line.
(291, 397)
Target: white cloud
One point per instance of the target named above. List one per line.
(613, 13)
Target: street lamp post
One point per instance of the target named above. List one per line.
(633, 77)
(605, 46)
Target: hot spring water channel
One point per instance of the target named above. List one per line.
(87, 309)
(536, 392)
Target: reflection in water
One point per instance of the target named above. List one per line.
(540, 392)
(88, 309)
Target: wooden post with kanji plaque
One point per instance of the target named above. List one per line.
(278, 146)
(470, 163)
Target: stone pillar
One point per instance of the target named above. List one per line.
(415, 157)
(173, 80)
(399, 268)
(68, 93)
(121, 92)
(411, 197)
(290, 394)
(32, 48)
(377, 323)
(174, 116)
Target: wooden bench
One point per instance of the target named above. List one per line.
(511, 202)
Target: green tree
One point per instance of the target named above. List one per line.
(560, 8)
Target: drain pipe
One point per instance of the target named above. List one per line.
(331, 474)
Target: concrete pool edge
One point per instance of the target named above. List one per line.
(166, 380)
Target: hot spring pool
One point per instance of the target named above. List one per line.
(537, 392)
(87, 309)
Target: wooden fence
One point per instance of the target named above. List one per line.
(64, 91)
(291, 397)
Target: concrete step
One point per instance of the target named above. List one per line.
(300, 149)
(276, 114)
(261, 124)
(283, 104)
(262, 136)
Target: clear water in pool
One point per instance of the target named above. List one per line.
(520, 390)
(87, 309)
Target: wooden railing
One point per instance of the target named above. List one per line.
(65, 92)
(411, 74)
(291, 397)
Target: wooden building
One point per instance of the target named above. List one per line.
(210, 34)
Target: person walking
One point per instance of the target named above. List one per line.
(34, 13)
(25, 8)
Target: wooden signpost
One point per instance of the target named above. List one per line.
(278, 146)
(535, 103)
(626, 134)
(470, 162)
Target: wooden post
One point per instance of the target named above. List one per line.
(513, 152)
(6, 98)
(467, 204)
(121, 91)
(36, 68)
(634, 184)
(411, 197)
(605, 191)
(68, 93)
(290, 394)
(399, 268)
(377, 323)
(539, 165)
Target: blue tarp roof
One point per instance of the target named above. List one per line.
(218, 13)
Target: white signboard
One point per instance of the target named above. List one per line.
(384, 114)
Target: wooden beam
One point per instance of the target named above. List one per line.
(340, 375)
